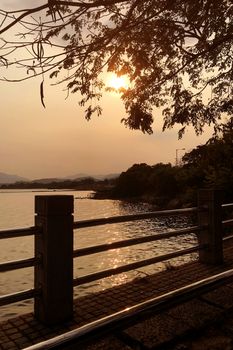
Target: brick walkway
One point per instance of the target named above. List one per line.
(209, 317)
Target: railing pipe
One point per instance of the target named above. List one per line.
(227, 238)
(226, 223)
(227, 205)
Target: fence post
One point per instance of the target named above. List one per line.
(54, 276)
(210, 216)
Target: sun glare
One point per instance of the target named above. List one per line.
(117, 83)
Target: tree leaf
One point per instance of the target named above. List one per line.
(42, 93)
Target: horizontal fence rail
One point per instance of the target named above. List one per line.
(133, 241)
(226, 223)
(20, 232)
(18, 264)
(133, 217)
(227, 205)
(20, 296)
(128, 317)
(133, 266)
(227, 238)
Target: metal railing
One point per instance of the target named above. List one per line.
(51, 209)
(130, 316)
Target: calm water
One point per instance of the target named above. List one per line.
(17, 210)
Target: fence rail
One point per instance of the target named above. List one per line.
(19, 264)
(20, 232)
(54, 229)
(133, 217)
(20, 296)
(133, 241)
(227, 205)
(133, 266)
(227, 222)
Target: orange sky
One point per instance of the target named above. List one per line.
(58, 141)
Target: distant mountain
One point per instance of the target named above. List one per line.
(98, 177)
(10, 179)
(46, 180)
(77, 176)
(61, 179)
(108, 176)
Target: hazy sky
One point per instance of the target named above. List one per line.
(58, 141)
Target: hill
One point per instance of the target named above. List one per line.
(10, 179)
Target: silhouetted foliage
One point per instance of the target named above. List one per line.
(176, 53)
(211, 165)
(206, 166)
(133, 182)
(157, 183)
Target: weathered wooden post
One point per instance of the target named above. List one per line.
(54, 276)
(210, 216)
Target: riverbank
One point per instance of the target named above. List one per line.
(157, 202)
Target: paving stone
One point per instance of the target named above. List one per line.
(9, 346)
(195, 313)
(15, 336)
(23, 327)
(22, 340)
(6, 326)
(154, 331)
(11, 331)
(227, 323)
(222, 296)
(110, 343)
(4, 339)
(213, 343)
(17, 322)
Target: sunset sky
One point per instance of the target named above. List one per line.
(58, 141)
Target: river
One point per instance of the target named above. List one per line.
(17, 210)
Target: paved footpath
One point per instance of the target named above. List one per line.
(205, 323)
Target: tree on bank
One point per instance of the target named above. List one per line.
(211, 165)
(157, 184)
(206, 166)
(177, 55)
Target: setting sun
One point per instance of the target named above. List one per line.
(117, 83)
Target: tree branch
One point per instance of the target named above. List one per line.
(28, 12)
